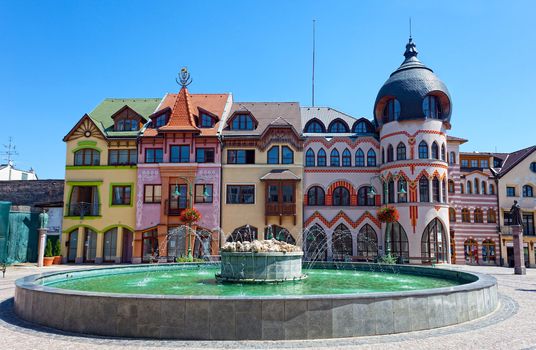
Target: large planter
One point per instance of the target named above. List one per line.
(57, 260)
(48, 260)
(261, 267)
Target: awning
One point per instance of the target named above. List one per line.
(280, 174)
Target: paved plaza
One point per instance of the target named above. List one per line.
(512, 326)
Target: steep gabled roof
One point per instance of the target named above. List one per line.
(514, 159)
(85, 124)
(181, 118)
(455, 139)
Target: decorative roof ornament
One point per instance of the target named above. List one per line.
(183, 78)
(411, 49)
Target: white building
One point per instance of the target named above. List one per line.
(9, 172)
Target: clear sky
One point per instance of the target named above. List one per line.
(59, 59)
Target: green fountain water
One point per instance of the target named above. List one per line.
(197, 281)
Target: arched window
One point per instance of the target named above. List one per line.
(360, 158)
(466, 217)
(391, 190)
(451, 186)
(90, 246)
(462, 189)
(469, 187)
(310, 158)
(361, 127)
(443, 152)
(452, 215)
(527, 191)
(314, 126)
(364, 198)
(243, 233)
(435, 190)
(338, 126)
(477, 186)
(342, 243)
(346, 158)
(478, 216)
(484, 187)
(341, 196)
(321, 158)
(470, 251)
(435, 150)
(279, 233)
(383, 155)
(488, 251)
(87, 156)
(402, 190)
(491, 189)
(432, 107)
(315, 243)
(315, 196)
(390, 153)
(367, 242)
(452, 159)
(334, 159)
(371, 158)
(391, 110)
(423, 150)
(385, 190)
(273, 155)
(396, 242)
(401, 151)
(492, 216)
(287, 155)
(444, 191)
(110, 245)
(424, 188)
(73, 246)
(434, 242)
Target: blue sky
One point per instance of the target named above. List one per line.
(59, 59)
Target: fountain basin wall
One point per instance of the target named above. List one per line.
(269, 267)
(257, 318)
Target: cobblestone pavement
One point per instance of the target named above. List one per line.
(511, 327)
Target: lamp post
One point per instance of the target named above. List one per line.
(190, 193)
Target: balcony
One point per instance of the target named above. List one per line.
(280, 209)
(83, 209)
(507, 230)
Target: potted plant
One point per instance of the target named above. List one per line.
(388, 214)
(190, 216)
(57, 252)
(49, 256)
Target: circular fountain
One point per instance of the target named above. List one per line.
(185, 301)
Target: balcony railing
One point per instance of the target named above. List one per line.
(173, 211)
(280, 208)
(83, 209)
(507, 230)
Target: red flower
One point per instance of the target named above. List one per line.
(388, 214)
(190, 215)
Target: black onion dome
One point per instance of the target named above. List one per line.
(409, 84)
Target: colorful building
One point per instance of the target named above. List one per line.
(100, 181)
(179, 167)
(262, 172)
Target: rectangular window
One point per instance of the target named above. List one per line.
(206, 121)
(154, 155)
(203, 193)
(510, 191)
(178, 197)
(204, 155)
(465, 163)
(152, 194)
(484, 163)
(161, 120)
(241, 156)
(240, 194)
(474, 163)
(273, 194)
(288, 193)
(120, 195)
(507, 218)
(179, 154)
(528, 224)
(122, 157)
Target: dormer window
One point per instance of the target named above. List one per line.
(127, 125)
(160, 121)
(361, 128)
(314, 126)
(432, 107)
(391, 111)
(338, 126)
(242, 122)
(206, 121)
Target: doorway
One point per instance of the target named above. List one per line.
(126, 256)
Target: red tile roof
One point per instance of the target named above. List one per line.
(181, 118)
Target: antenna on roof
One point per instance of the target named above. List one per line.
(10, 151)
(410, 29)
(313, 92)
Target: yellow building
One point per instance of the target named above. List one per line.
(262, 172)
(516, 173)
(100, 178)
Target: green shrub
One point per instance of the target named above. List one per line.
(57, 248)
(185, 259)
(388, 259)
(48, 249)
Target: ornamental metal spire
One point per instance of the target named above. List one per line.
(183, 78)
(411, 49)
